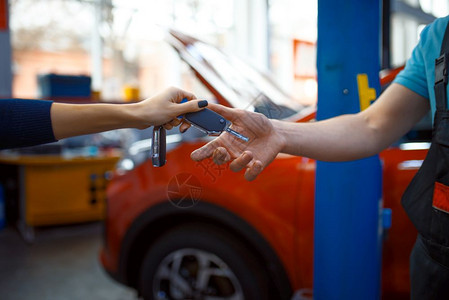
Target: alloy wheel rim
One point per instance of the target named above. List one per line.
(195, 274)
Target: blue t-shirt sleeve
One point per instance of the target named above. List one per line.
(413, 76)
(25, 123)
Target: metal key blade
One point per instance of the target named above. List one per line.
(235, 133)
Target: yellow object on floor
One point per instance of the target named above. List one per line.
(57, 190)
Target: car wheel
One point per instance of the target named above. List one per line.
(199, 262)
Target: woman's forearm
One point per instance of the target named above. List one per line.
(77, 119)
(162, 109)
(32, 122)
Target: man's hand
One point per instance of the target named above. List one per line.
(261, 149)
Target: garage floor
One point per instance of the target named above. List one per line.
(62, 264)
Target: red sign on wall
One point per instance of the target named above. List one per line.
(3, 15)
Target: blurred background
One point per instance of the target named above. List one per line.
(121, 43)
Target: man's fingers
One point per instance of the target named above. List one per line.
(229, 113)
(241, 162)
(203, 152)
(254, 170)
(221, 156)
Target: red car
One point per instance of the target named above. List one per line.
(193, 230)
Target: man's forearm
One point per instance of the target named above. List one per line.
(355, 136)
(338, 139)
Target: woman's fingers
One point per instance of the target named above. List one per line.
(167, 126)
(175, 122)
(189, 106)
(184, 126)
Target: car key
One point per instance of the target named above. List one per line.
(158, 146)
(211, 122)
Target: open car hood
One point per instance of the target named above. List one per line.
(235, 83)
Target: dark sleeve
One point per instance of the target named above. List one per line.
(25, 123)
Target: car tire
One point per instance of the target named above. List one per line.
(202, 261)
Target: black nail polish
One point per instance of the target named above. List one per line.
(202, 103)
(184, 130)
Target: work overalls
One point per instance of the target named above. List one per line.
(426, 200)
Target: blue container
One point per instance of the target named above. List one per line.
(53, 85)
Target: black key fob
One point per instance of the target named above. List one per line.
(211, 123)
(207, 121)
(158, 146)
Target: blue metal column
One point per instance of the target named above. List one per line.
(347, 257)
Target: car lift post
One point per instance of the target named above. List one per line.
(348, 205)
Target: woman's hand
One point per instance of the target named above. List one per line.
(165, 107)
